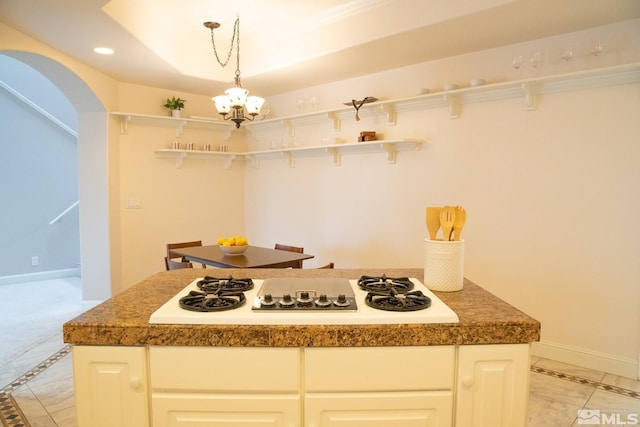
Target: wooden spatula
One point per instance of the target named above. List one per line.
(433, 221)
(461, 217)
(447, 219)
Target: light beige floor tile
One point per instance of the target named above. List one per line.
(603, 399)
(44, 421)
(622, 382)
(54, 387)
(625, 410)
(28, 403)
(65, 418)
(568, 369)
(563, 391)
(545, 411)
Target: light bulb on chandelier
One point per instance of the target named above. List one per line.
(235, 101)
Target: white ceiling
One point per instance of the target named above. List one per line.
(291, 44)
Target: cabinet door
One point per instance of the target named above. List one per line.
(493, 385)
(228, 410)
(110, 386)
(389, 409)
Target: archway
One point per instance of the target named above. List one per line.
(92, 173)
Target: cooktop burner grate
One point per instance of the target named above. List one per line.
(392, 300)
(211, 284)
(384, 283)
(215, 301)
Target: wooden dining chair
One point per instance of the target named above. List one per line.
(175, 265)
(281, 247)
(172, 255)
(330, 265)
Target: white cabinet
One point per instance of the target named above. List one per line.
(225, 386)
(379, 386)
(492, 385)
(432, 386)
(111, 386)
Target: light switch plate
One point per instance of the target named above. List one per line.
(133, 203)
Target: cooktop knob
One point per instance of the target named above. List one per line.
(287, 301)
(323, 301)
(267, 301)
(305, 299)
(341, 301)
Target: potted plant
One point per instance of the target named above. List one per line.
(175, 105)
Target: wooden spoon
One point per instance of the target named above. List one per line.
(461, 217)
(433, 221)
(447, 219)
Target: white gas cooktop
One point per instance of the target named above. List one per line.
(172, 313)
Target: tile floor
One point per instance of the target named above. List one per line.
(36, 388)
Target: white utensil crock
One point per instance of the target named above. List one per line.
(443, 265)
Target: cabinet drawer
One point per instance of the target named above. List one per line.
(397, 409)
(228, 410)
(379, 368)
(225, 369)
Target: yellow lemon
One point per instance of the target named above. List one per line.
(241, 241)
(226, 243)
(221, 240)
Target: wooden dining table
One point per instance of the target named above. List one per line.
(253, 257)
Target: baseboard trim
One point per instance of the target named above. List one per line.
(604, 362)
(41, 275)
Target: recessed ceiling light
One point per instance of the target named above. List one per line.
(103, 50)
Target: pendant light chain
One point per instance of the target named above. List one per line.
(236, 31)
(236, 36)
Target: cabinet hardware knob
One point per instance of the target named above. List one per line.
(135, 383)
(467, 381)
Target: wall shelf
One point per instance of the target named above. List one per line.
(178, 123)
(334, 151)
(529, 90)
(180, 155)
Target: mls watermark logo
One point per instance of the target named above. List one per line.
(611, 417)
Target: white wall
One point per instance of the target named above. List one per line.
(199, 201)
(38, 166)
(552, 195)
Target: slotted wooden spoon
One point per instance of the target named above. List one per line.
(433, 221)
(447, 219)
(458, 223)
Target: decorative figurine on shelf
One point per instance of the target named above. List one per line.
(175, 105)
(357, 104)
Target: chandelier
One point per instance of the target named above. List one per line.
(235, 100)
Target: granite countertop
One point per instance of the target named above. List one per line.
(124, 319)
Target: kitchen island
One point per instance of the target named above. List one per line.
(128, 372)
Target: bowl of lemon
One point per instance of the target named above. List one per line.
(235, 245)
